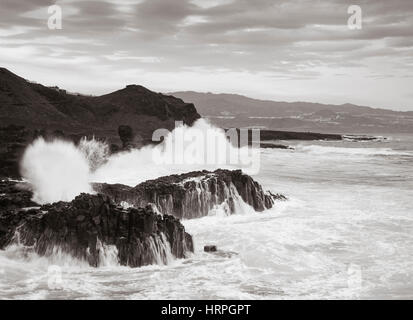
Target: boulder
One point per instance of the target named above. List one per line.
(210, 248)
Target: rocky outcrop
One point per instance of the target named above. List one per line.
(291, 135)
(90, 226)
(194, 194)
(147, 232)
(275, 146)
(15, 195)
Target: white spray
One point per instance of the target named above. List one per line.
(200, 147)
(59, 170)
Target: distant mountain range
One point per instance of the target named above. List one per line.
(231, 110)
(36, 106)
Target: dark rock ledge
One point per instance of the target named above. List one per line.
(194, 194)
(80, 227)
(88, 225)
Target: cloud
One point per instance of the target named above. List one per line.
(288, 39)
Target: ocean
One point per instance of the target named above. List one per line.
(345, 232)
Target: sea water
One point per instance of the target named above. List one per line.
(346, 232)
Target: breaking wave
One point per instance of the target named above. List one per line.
(96, 152)
(177, 154)
(59, 171)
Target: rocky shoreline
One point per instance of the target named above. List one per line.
(140, 225)
(87, 226)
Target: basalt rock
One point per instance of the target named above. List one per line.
(193, 194)
(91, 224)
(210, 248)
(15, 195)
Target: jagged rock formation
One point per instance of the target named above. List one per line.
(86, 227)
(193, 194)
(91, 224)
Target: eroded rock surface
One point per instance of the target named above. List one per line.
(194, 194)
(91, 225)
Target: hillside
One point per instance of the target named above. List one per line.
(28, 109)
(230, 110)
(36, 106)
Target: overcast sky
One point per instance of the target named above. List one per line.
(282, 50)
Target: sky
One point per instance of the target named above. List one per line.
(287, 50)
